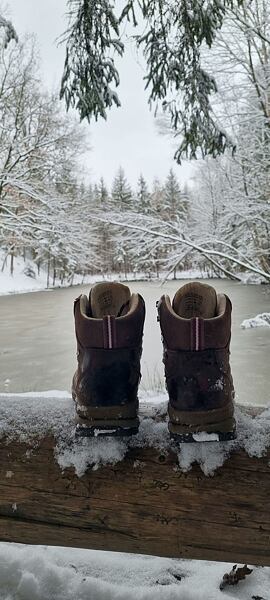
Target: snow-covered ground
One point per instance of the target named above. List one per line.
(19, 282)
(52, 573)
(47, 573)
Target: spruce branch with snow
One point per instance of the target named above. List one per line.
(171, 35)
(9, 31)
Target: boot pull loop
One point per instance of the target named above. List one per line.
(109, 332)
(196, 334)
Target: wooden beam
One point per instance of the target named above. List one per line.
(143, 504)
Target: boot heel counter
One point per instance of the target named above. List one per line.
(110, 378)
(198, 381)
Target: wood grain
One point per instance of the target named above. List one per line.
(143, 504)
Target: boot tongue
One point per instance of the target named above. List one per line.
(109, 299)
(195, 300)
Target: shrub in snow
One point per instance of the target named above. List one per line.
(29, 272)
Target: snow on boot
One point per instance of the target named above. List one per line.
(196, 331)
(109, 331)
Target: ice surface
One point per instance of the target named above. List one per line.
(31, 416)
(261, 320)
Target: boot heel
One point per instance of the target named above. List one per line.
(215, 432)
(123, 428)
(95, 421)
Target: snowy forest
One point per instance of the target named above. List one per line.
(67, 224)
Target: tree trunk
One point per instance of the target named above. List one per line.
(4, 263)
(54, 271)
(12, 261)
(48, 270)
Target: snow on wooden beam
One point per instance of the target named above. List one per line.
(143, 503)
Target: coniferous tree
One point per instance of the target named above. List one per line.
(174, 203)
(157, 197)
(102, 194)
(121, 190)
(143, 196)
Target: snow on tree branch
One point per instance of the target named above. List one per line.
(157, 230)
(9, 31)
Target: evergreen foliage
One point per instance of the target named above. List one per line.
(121, 190)
(89, 71)
(174, 204)
(102, 194)
(171, 39)
(9, 31)
(143, 196)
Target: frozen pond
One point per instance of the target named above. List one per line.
(38, 350)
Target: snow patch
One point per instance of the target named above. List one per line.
(262, 320)
(29, 418)
(85, 453)
(203, 436)
(46, 573)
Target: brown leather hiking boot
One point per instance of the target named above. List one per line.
(196, 331)
(109, 331)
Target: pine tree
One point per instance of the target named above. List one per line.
(157, 197)
(121, 190)
(101, 193)
(174, 205)
(143, 196)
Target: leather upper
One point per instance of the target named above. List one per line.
(127, 330)
(179, 333)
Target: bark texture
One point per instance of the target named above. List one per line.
(143, 504)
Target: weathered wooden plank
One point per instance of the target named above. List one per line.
(143, 504)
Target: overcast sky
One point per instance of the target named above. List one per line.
(130, 136)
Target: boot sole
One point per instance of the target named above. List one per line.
(100, 428)
(112, 421)
(84, 431)
(215, 432)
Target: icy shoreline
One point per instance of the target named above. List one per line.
(20, 283)
(28, 418)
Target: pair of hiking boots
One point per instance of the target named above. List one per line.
(196, 331)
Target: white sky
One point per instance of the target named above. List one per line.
(130, 136)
